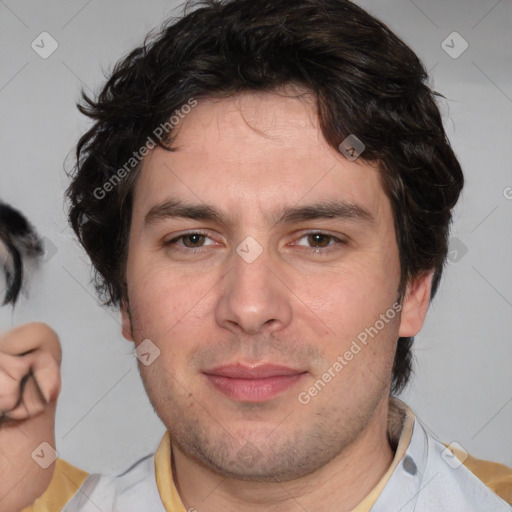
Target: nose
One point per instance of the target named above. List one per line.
(253, 297)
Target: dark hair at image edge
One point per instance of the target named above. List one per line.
(366, 82)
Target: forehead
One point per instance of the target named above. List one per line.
(256, 150)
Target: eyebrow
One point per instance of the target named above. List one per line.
(342, 210)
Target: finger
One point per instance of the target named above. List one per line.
(46, 373)
(15, 366)
(28, 337)
(31, 402)
(27, 384)
(12, 371)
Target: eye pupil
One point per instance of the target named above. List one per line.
(317, 239)
(195, 238)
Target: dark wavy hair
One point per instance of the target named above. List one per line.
(21, 250)
(365, 80)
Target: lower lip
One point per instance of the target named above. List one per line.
(253, 390)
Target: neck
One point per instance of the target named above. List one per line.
(339, 485)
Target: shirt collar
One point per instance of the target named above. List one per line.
(400, 427)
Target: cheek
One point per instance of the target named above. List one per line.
(354, 292)
(160, 298)
(349, 303)
(171, 312)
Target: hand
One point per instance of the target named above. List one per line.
(30, 358)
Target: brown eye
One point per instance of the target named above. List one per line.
(193, 240)
(319, 239)
(320, 243)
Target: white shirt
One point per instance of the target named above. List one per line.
(424, 476)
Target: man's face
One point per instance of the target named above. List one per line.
(237, 298)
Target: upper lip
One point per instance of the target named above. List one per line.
(242, 371)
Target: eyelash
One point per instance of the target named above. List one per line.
(315, 250)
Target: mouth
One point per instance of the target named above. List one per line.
(244, 383)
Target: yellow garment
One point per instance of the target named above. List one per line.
(65, 482)
(168, 492)
(497, 477)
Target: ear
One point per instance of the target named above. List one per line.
(126, 324)
(415, 304)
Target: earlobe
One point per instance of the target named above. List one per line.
(126, 327)
(415, 304)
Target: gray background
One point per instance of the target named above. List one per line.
(463, 384)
